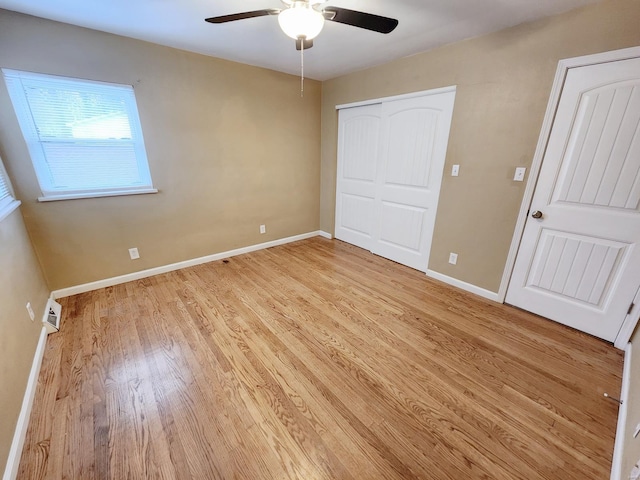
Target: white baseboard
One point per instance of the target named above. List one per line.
(129, 277)
(464, 286)
(13, 461)
(324, 234)
(618, 447)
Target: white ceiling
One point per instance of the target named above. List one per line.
(339, 49)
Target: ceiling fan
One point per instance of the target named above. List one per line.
(303, 20)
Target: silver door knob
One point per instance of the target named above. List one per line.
(537, 214)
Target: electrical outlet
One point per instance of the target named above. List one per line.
(134, 254)
(453, 258)
(519, 175)
(30, 310)
(455, 170)
(263, 229)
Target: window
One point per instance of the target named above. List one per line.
(7, 203)
(84, 137)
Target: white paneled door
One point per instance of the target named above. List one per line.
(358, 144)
(579, 259)
(390, 162)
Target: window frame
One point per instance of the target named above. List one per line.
(50, 192)
(9, 203)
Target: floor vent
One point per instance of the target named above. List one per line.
(52, 317)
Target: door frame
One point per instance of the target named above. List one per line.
(404, 96)
(630, 322)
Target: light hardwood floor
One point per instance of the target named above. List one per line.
(316, 360)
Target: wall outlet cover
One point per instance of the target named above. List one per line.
(453, 258)
(134, 254)
(455, 170)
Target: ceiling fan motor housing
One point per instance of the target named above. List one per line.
(301, 21)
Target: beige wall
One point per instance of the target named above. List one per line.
(504, 80)
(21, 281)
(230, 147)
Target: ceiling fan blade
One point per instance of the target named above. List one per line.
(367, 21)
(241, 16)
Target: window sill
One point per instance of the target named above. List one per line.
(75, 196)
(7, 209)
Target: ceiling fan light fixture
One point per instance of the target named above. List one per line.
(301, 20)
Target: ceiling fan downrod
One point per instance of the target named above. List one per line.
(302, 69)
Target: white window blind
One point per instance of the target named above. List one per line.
(7, 203)
(84, 137)
(4, 189)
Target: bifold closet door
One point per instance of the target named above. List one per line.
(390, 162)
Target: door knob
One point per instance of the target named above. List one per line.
(537, 214)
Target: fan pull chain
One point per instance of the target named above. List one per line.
(302, 68)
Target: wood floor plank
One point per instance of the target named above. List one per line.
(451, 331)
(316, 360)
(283, 414)
(352, 360)
(408, 404)
(204, 454)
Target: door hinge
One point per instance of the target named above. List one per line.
(631, 308)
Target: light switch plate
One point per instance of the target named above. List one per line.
(455, 170)
(30, 310)
(520, 173)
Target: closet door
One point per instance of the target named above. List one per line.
(358, 146)
(390, 162)
(413, 147)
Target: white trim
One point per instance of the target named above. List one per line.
(424, 93)
(20, 433)
(536, 164)
(6, 210)
(74, 196)
(325, 234)
(604, 57)
(19, 84)
(464, 285)
(618, 447)
(129, 277)
(534, 170)
(60, 78)
(627, 329)
(629, 324)
(8, 203)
